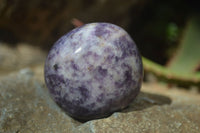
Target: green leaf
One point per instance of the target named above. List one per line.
(163, 73)
(187, 57)
(182, 67)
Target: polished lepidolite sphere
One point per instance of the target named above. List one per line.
(94, 70)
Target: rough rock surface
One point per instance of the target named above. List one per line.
(26, 106)
(19, 56)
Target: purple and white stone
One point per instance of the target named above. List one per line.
(94, 70)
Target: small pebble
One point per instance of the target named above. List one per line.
(94, 70)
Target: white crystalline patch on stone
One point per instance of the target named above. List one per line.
(78, 50)
(132, 62)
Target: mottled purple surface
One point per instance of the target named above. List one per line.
(94, 70)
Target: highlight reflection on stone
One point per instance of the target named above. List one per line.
(94, 70)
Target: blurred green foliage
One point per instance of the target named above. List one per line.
(183, 67)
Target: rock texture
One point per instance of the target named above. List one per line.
(17, 57)
(26, 106)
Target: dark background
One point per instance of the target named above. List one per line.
(156, 26)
